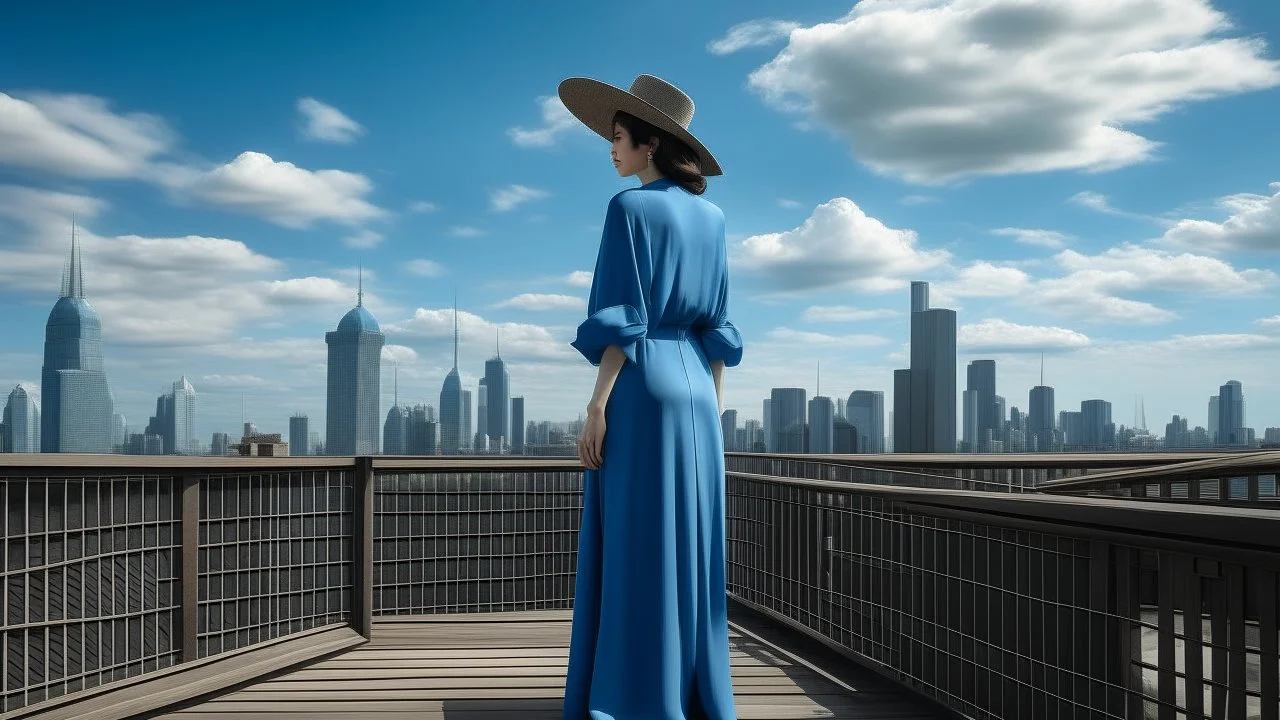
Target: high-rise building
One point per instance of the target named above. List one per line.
(21, 422)
(969, 421)
(299, 430)
(76, 404)
(1097, 432)
(467, 431)
(183, 429)
(421, 432)
(767, 426)
(752, 436)
(395, 429)
(1071, 423)
(498, 400)
(729, 429)
(355, 378)
(1213, 419)
(1176, 434)
(517, 425)
(1041, 419)
(119, 431)
(481, 441)
(1231, 415)
(219, 444)
(865, 411)
(844, 437)
(787, 407)
(932, 408)
(982, 380)
(451, 437)
(822, 415)
(901, 411)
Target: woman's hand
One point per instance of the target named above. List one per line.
(591, 443)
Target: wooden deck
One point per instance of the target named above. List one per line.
(511, 665)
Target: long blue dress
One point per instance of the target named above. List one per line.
(650, 631)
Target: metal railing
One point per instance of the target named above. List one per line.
(998, 603)
(1248, 479)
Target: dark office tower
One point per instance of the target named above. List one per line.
(982, 380)
(865, 411)
(299, 430)
(498, 389)
(1176, 434)
(355, 378)
(1096, 429)
(1041, 427)
(787, 407)
(76, 405)
(420, 437)
(822, 415)
(482, 417)
(1231, 414)
(933, 375)
(767, 426)
(451, 401)
(729, 429)
(969, 421)
(466, 434)
(517, 426)
(844, 437)
(219, 444)
(1071, 422)
(902, 411)
(1212, 424)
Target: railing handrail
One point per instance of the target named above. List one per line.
(1190, 470)
(14, 464)
(993, 461)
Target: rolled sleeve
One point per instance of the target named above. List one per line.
(722, 342)
(619, 325)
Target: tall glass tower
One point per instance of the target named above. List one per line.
(76, 402)
(497, 383)
(21, 422)
(184, 418)
(451, 401)
(355, 375)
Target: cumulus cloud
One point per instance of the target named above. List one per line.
(753, 33)
(424, 267)
(1099, 203)
(543, 301)
(363, 239)
(398, 354)
(520, 341)
(579, 278)
(800, 338)
(984, 279)
(79, 136)
(843, 313)
(1000, 336)
(326, 123)
(1270, 323)
(1253, 224)
(1041, 238)
(935, 91)
(839, 245)
(556, 121)
(513, 196)
(284, 193)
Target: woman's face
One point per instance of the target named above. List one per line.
(627, 160)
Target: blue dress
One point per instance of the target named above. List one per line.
(650, 630)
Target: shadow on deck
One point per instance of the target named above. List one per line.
(512, 665)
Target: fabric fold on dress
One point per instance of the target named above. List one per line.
(619, 325)
(722, 342)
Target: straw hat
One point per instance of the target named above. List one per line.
(651, 99)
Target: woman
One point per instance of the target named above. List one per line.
(650, 632)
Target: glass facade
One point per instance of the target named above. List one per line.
(21, 422)
(355, 378)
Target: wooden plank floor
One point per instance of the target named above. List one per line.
(512, 665)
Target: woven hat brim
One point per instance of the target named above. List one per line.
(594, 104)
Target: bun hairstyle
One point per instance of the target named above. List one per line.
(673, 158)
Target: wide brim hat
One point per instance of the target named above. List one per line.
(650, 98)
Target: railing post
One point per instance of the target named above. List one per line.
(189, 573)
(362, 552)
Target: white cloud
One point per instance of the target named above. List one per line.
(837, 246)
(753, 33)
(556, 121)
(363, 239)
(543, 301)
(1026, 236)
(1253, 224)
(790, 204)
(233, 382)
(801, 338)
(79, 136)
(284, 193)
(1269, 323)
(424, 267)
(465, 231)
(843, 313)
(983, 279)
(399, 354)
(940, 90)
(520, 341)
(1099, 203)
(423, 207)
(999, 336)
(579, 278)
(512, 197)
(326, 123)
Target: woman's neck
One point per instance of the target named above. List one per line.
(648, 175)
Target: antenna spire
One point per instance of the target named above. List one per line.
(497, 343)
(73, 274)
(818, 392)
(1041, 368)
(360, 287)
(455, 329)
(395, 401)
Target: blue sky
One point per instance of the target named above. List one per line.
(1090, 180)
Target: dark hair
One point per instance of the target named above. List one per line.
(673, 158)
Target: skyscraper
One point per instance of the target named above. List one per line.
(355, 378)
(969, 417)
(1097, 432)
(865, 412)
(299, 430)
(901, 415)
(183, 430)
(982, 381)
(482, 417)
(517, 426)
(933, 375)
(21, 422)
(451, 401)
(76, 402)
(787, 408)
(1041, 419)
(767, 425)
(822, 414)
(465, 434)
(395, 429)
(729, 429)
(498, 399)
(1231, 414)
(1212, 424)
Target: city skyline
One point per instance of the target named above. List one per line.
(221, 239)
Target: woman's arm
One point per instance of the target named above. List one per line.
(717, 371)
(610, 365)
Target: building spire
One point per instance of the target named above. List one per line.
(818, 392)
(455, 330)
(395, 394)
(1041, 368)
(360, 286)
(73, 275)
(497, 344)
